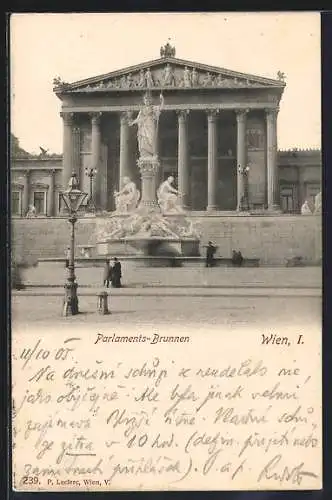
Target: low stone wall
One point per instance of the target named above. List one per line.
(40, 237)
(272, 239)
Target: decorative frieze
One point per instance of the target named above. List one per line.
(170, 75)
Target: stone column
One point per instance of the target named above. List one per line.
(67, 158)
(241, 119)
(149, 169)
(271, 159)
(77, 153)
(212, 160)
(50, 195)
(95, 153)
(124, 148)
(183, 167)
(26, 193)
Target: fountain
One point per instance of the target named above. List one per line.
(150, 223)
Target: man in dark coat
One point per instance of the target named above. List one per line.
(210, 251)
(237, 258)
(116, 274)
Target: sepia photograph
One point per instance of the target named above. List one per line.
(166, 253)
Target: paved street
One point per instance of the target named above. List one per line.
(137, 277)
(217, 296)
(46, 310)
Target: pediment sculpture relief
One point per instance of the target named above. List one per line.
(171, 76)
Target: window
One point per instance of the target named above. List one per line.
(39, 199)
(287, 199)
(16, 203)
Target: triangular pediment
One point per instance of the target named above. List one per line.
(168, 73)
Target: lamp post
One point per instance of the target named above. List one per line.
(91, 172)
(244, 171)
(73, 198)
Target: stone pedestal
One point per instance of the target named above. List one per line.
(149, 170)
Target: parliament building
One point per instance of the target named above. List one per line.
(217, 135)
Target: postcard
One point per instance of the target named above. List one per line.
(166, 215)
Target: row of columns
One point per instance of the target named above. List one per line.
(241, 118)
(50, 208)
(70, 151)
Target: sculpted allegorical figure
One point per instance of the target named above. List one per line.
(305, 209)
(147, 126)
(168, 196)
(168, 76)
(208, 80)
(141, 79)
(318, 203)
(186, 77)
(127, 198)
(149, 78)
(194, 77)
(219, 80)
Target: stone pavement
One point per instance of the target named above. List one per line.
(269, 313)
(140, 277)
(230, 291)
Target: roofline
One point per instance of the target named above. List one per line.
(280, 151)
(58, 156)
(174, 60)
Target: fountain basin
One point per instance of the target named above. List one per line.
(148, 246)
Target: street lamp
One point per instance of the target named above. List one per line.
(91, 172)
(244, 171)
(73, 198)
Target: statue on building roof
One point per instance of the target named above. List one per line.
(305, 209)
(58, 82)
(167, 50)
(318, 203)
(43, 152)
(281, 76)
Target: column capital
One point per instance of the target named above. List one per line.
(95, 117)
(67, 117)
(125, 116)
(182, 114)
(271, 113)
(212, 114)
(26, 173)
(241, 114)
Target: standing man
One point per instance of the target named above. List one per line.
(210, 251)
(116, 274)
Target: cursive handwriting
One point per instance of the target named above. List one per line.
(143, 416)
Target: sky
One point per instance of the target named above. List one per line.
(78, 46)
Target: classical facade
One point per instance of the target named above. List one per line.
(217, 135)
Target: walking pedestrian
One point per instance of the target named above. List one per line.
(116, 273)
(107, 274)
(210, 251)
